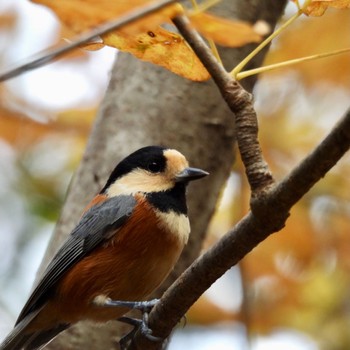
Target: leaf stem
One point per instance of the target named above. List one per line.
(250, 72)
(243, 63)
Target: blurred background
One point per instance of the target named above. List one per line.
(292, 291)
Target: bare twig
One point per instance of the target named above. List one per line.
(240, 102)
(49, 55)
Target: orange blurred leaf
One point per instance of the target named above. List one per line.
(335, 69)
(7, 20)
(81, 15)
(225, 32)
(205, 312)
(318, 7)
(18, 129)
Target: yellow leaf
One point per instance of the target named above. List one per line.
(152, 20)
(318, 7)
(161, 47)
(225, 32)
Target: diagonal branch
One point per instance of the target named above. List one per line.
(240, 103)
(247, 234)
(258, 224)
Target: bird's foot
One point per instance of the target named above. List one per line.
(141, 325)
(144, 306)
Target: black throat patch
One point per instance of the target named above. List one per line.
(170, 200)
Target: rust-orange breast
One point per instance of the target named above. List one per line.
(129, 267)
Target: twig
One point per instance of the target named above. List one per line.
(273, 35)
(240, 102)
(51, 54)
(289, 63)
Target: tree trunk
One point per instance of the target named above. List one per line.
(145, 104)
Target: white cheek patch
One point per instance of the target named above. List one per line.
(139, 180)
(177, 224)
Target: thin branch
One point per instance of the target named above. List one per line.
(49, 55)
(246, 235)
(240, 103)
(218, 72)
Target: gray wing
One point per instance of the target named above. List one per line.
(97, 224)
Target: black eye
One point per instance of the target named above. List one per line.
(154, 167)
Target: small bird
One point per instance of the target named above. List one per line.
(127, 241)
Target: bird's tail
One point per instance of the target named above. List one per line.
(21, 339)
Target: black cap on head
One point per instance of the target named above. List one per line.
(150, 158)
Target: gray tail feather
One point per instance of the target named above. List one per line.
(20, 339)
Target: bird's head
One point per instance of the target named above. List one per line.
(151, 169)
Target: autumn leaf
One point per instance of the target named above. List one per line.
(318, 7)
(145, 39)
(226, 32)
(161, 47)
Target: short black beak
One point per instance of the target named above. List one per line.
(190, 174)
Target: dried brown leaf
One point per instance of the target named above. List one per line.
(318, 7)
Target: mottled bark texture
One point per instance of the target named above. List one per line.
(144, 105)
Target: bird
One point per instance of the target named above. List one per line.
(127, 241)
